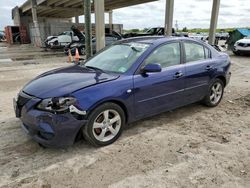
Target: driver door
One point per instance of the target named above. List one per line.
(160, 91)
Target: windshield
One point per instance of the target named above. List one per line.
(117, 58)
(248, 37)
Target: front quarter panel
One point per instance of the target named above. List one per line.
(116, 91)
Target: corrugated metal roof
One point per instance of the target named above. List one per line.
(245, 32)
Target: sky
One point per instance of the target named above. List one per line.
(187, 13)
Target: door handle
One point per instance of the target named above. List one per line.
(208, 68)
(178, 74)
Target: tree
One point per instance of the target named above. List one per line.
(185, 29)
(135, 30)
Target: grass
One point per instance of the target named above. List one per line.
(194, 30)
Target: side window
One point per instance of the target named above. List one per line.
(194, 52)
(166, 55)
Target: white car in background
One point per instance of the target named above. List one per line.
(242, 46)
(199, 36)
(61, 40)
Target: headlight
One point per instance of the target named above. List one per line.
(236, 44)
(56, 104)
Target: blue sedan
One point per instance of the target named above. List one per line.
(127, 81)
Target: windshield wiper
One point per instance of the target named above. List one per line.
(95, 68)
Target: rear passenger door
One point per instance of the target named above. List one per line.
(198, 68)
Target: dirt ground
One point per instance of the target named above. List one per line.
(193, 146)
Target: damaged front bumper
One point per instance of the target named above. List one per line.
(47, 128)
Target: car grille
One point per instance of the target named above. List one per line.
(22, 99)
(244, 44)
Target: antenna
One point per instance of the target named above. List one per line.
(176, 25)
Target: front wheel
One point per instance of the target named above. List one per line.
(105, 124)
(236, 52)
(215, 93)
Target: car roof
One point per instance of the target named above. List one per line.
(158, 39)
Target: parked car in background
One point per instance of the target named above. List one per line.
(150, 32)
(242, 46)
(80, 45)
(60, 40)
(65, 38)
(200, 36)
(222, 35)
(2, 36)
(127, 81)
(180, 34)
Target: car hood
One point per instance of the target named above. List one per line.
(51, 37)
(244, 41)
(63, 81)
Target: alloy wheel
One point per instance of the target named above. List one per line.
(216, 93)
(106, 125)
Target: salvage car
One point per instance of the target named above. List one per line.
(200, 36)
(65, 38)
(150, 32)
(127, 81)
(242, 46)
(80, 45)
(60, 40)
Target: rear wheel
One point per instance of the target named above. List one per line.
(105, 124)
(215, 93)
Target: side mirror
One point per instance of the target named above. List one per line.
(154, 67)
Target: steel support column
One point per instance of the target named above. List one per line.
(37, 35)
(213, 22)
(88, 28)
(169, 12)
(99, 24)
(110, 21)
(77, 19)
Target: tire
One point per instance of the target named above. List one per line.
(212, 99)
(56, 43)
(236, 52)
(50, 45)
(98, 129)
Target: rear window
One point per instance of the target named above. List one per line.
(195, 52)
